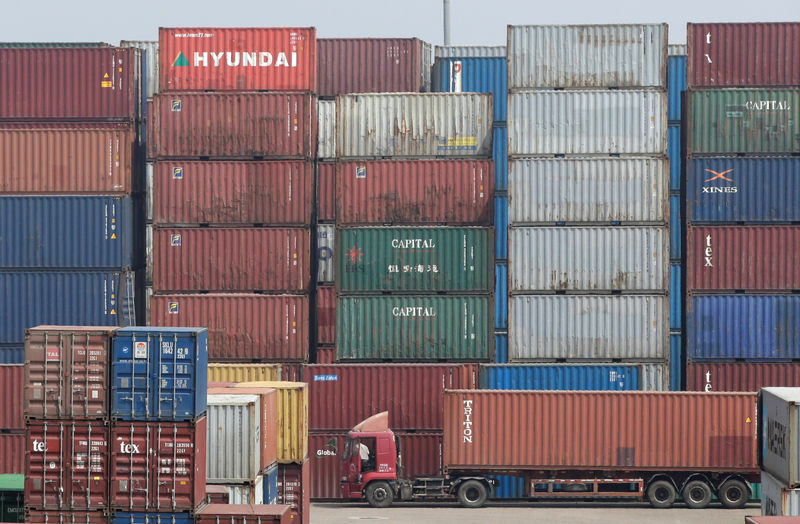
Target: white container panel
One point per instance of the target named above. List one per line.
(151, 62)
(234, 439)
(326, 243)
(470, 51)
(780, 434)
(326, 138)
(247, 493)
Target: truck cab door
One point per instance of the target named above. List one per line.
(351, 470)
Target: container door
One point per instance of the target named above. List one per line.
(131, 464)
(131, 388)
(174, 376)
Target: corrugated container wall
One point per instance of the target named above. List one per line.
(779, 433)
(777, 499)
(500, 157)
(13, 450)
(675, 296)
(243, 372)
(12, 353)
(501, 296)
(12, 386)
(326, 315)
(233, 451)
(675, 156)
(580, 327)
(373, 65)
(326, 246)
(326, 191)
(243, 513)
(414, 125)
(500, 226)
(475, 75)
(326, 129)
(62, 517)
(740, 376)
(294, 489)
(587, 122)
(608, 377)
(580, 56)
(238, 59)
(150, 69)
(675, 229)
(676, 80)
(151, 518)
(470, 51)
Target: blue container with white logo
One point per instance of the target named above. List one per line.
(674, 155)
(500, 157)
(141, 517)
(585, 377)
(501, 297)
(676, 85)
(474, 75)
(271, 485)
(675, 297)
(675, 362)
(501, 227)
(159, 373)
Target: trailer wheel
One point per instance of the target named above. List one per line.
(661, 494)
(472, 494)
(379, 494)
(697, 494)
(733, 494)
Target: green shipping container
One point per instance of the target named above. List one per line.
(402, 328)
(744, 121)
(415, 259)
(12, 506)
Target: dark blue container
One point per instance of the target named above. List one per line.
(500, 348)
(68, 298)
(500, 157)
(754, 189)
(584, 377)
(12, 354)
(141, 517)
(501, 297)
(159, 373)
(501, 227)
(271, 485)
(675, 237)
(763, 328)
(674, 154)
(675, 362)
(676, 84)
(474, 75)
(675, 297)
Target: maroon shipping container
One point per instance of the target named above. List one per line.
(743, 55)
(415, 192)
(326, 191)
(12, 453)
(326, 315)
(292, 372)
(230, 259)
(69, 158)
(69, 83)
(340, 396)
(294, 490)
(12, 391)
(66, 517)
(270, 193)
(741, 376)
(244, 514)
(610, 431)
(67, 372)
(373, 65)
(752, 258)
(67, 465)
(241, 126)
(217, 494)
(158, 466)
(325, 355)
(241, 327)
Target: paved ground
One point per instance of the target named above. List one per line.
(513, 513)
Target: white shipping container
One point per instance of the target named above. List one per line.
(655, 377)
(234, 439)
(326, 243)
(413, 125)
(148, 254)
(777, 499)
(676, 50)
(587, 122)
(582, 328)
(252, 493)
(572, 258)
(151, 62)
(470, 51)
(148, 169)
(780, 434)
(326, 129)
(548, 190)
(580, 56)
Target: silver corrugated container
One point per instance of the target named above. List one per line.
(149, 192)
(247, 493)
(582, 327)
(587, 122)
(470, 51)
(414, 125)
(617, 55)
(616, 258)
(577, 190)
(676, 50)
(151, 62)
(655, 377)
(780, 434)
(234, 439)
(148, 253)
(777, 499)
(326, 129)
(326, 242)
(148, 293)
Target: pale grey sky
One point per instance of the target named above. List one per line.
(472, 21)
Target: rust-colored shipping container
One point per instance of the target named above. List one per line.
(325, 355)
(743, 54)
(244, 514)
(12, 453)
(69, 158)
(605, 431)
(294, 489)
(158, 465)
(245, 126)
(247, 193)
(326, 191)
(241, 327)
(326, 315)
(751, 258)
(12, 390)
(741, 376)
(216, 494)
(66, 517)
(237, 59)
(230, 259)
(415, 192)
(67, 372)
(67, 465)
(70, 83)
(341, 396)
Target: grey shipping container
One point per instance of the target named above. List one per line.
(326, 129)
(780, 434)
(470, 51)
(326, 244)
(150, 63)
(234, 439)
(777, 499)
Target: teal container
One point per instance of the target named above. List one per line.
(12, 504)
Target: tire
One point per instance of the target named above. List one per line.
(472, 494)
(733, 494)
(379, 494)
(697, 494)
(661, 494)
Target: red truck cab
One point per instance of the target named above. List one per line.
(376, 477)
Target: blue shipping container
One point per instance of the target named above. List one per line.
(501, 348)
(159, 373)
(674, 154)
(752, 327)
(151, 518)
(89, 298)
(474, 75)
(509, 487)
(676, 85)
(675, 362)
(729, 189)
(501, 227)
(501, 297)
(12, 354)
(271, 485)
(500, 157)
(675, 297)
(675, 237)
(585, 377)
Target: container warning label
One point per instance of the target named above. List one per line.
(106, 82)
(326, 378)
(458, 143)
(140, 350)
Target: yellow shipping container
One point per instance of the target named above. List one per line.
(243, 372)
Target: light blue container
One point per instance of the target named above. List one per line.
(501, 227)
(501, 297)
(501, 348)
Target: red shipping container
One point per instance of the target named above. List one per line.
(741, 376)
(292, 372)
(66, 517)
(237, 59)
(69, 83)
(12, 453)
(269, 193)
(12, 390)
(743, 55)
(67, 466)
(69, 158)
(158, 465)
(631, 431)
(294, 490)
(67, 372)
(326, 191)
(230, 259)
(751, 258)
(326, 315)
(249, 126)
(326, 355)
(244, 514)
(217, 494)
(415, 192)
(342, 395)
(373, 65)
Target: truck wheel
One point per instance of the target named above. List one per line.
(661, 494)
(697, 494)
(472, 494)
(733, 494)
(379, 494)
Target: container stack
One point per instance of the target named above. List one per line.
(779, 452)
(742, 176)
